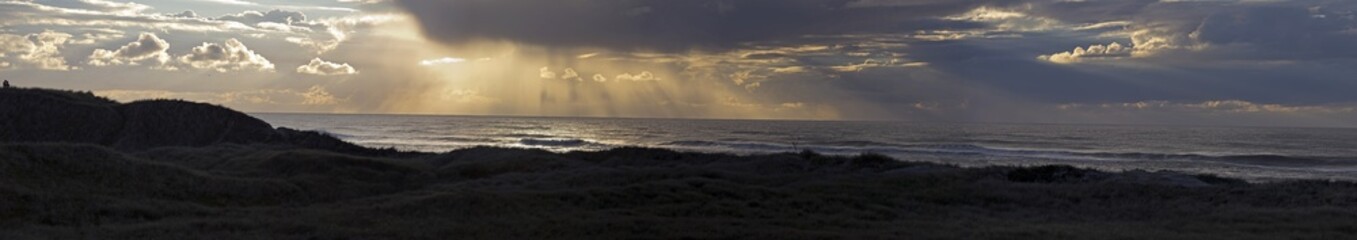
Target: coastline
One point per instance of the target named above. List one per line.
(231, 191)
(178, 170)
(1247, 153)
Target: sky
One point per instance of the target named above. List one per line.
(1195, 62)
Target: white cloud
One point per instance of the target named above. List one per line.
(326, 34)
(789, 70)
(317, 95)
(639, 77)
(10, 43)
(1079, 54)
(123, 8)
(569, 74)
(546, 73)
(185, 14)
(47, 50)
(278, 20)
(147, 47)
(1150, 41)
(93, 36)
(1146, 40)
(39, 15)
(253, 18)
(873, 63)
(325, 68)
(229, 56)
(1103, 25)
(317, 46)
(41, 50)
(1007, 20)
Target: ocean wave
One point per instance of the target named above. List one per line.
(525, 135)
(512, 126)
(463, 139)
(334, 134)
(731, 145)
(852, 143)
(1068, 154)
(762, 133)
(967, 149)
(1250, 159)
(554, 142)
(351, 135)
(415, 142)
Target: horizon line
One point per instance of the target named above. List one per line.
(808, 120)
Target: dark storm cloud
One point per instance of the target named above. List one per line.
(668, 25)
(1285, 31)
(950, 55)
(1292, 29)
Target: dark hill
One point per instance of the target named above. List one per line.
(149, 124)
(178, 170)
(44, 115)
(40, 115)
(228, 191)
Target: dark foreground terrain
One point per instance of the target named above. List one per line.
(160, 170)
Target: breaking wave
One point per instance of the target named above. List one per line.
(966, 149)
(554, 142)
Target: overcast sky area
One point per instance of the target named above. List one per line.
(1196, 62)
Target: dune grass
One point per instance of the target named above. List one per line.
(77, 166)
(253, 191)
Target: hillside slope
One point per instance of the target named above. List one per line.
(64, 191)
(76, 166)
(45, 115)
(38, 115)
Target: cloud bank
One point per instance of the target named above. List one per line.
(662, 25)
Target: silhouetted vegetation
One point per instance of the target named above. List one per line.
(43, 115)
(158, 123)
(1048, 174)
(179, 170)
(231, 191)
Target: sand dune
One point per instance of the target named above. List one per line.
(302, 185)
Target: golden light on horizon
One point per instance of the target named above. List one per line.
(505, 78)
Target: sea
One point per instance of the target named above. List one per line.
(1252, 153)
